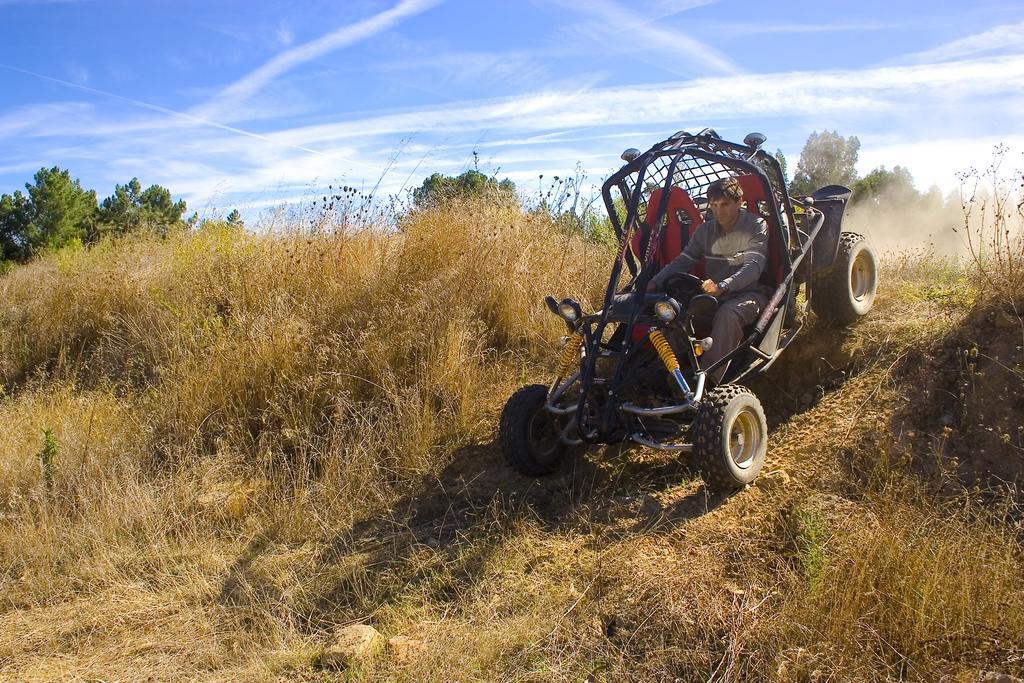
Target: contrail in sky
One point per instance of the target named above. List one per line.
(179, 115)
(255, 80)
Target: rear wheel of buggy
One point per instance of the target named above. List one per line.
(529, 433)
(730, 437)
(846, 291)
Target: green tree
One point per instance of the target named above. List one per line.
(15, 223)
(438, 187)
(783, 164)
(235, 218)
(897, 185)
(131, 208)
(62, 212)
(158, 208)
(827, 158)
(119, 213)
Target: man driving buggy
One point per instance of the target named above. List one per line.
(734, 246)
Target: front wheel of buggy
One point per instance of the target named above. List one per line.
(846, 291)
(730, 438)
(529, 434)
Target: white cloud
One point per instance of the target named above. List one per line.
(543, 132)
(27, 168)
(242, 89)
(751, 96)
(614, 28)
(177, 119)
(41, 119)
(535, 134)
(757, 28)
(1005, 37)
(661, 9)
(511, 69)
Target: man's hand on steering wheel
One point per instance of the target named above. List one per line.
(711, 287)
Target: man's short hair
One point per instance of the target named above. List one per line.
(726, 188)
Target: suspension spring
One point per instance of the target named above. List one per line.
(570, 355)
(668, 357)
(664, 349)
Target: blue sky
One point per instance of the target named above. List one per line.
(250, 104)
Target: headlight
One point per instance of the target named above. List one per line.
(570, 310)
(666, 310)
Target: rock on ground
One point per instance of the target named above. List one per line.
(351, 644)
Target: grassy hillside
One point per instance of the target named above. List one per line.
(218, 447)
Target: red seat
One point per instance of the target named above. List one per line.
(681, 217)
(754, 194)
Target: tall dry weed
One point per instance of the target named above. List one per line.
(993, 227)
(323, 371)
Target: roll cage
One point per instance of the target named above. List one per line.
(664, 190)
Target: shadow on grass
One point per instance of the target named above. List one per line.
(478, 492)
(437, 540)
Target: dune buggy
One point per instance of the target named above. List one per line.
(618, 377)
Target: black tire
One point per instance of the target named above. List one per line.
(846, 291)
(730, 437)
(528, 433)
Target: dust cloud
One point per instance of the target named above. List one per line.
(968, 224)
(897, 224)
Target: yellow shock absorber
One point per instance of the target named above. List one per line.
(570, 355)
(664, 350)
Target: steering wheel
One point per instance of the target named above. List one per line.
(682, 286)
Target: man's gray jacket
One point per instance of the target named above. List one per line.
(734, 260)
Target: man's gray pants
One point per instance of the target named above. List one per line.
(734, 313)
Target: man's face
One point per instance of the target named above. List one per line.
(726, 211)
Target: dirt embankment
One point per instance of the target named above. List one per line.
(967, 419)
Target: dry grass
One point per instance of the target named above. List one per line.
(909, 591)
(212, 388)
(263, 436)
